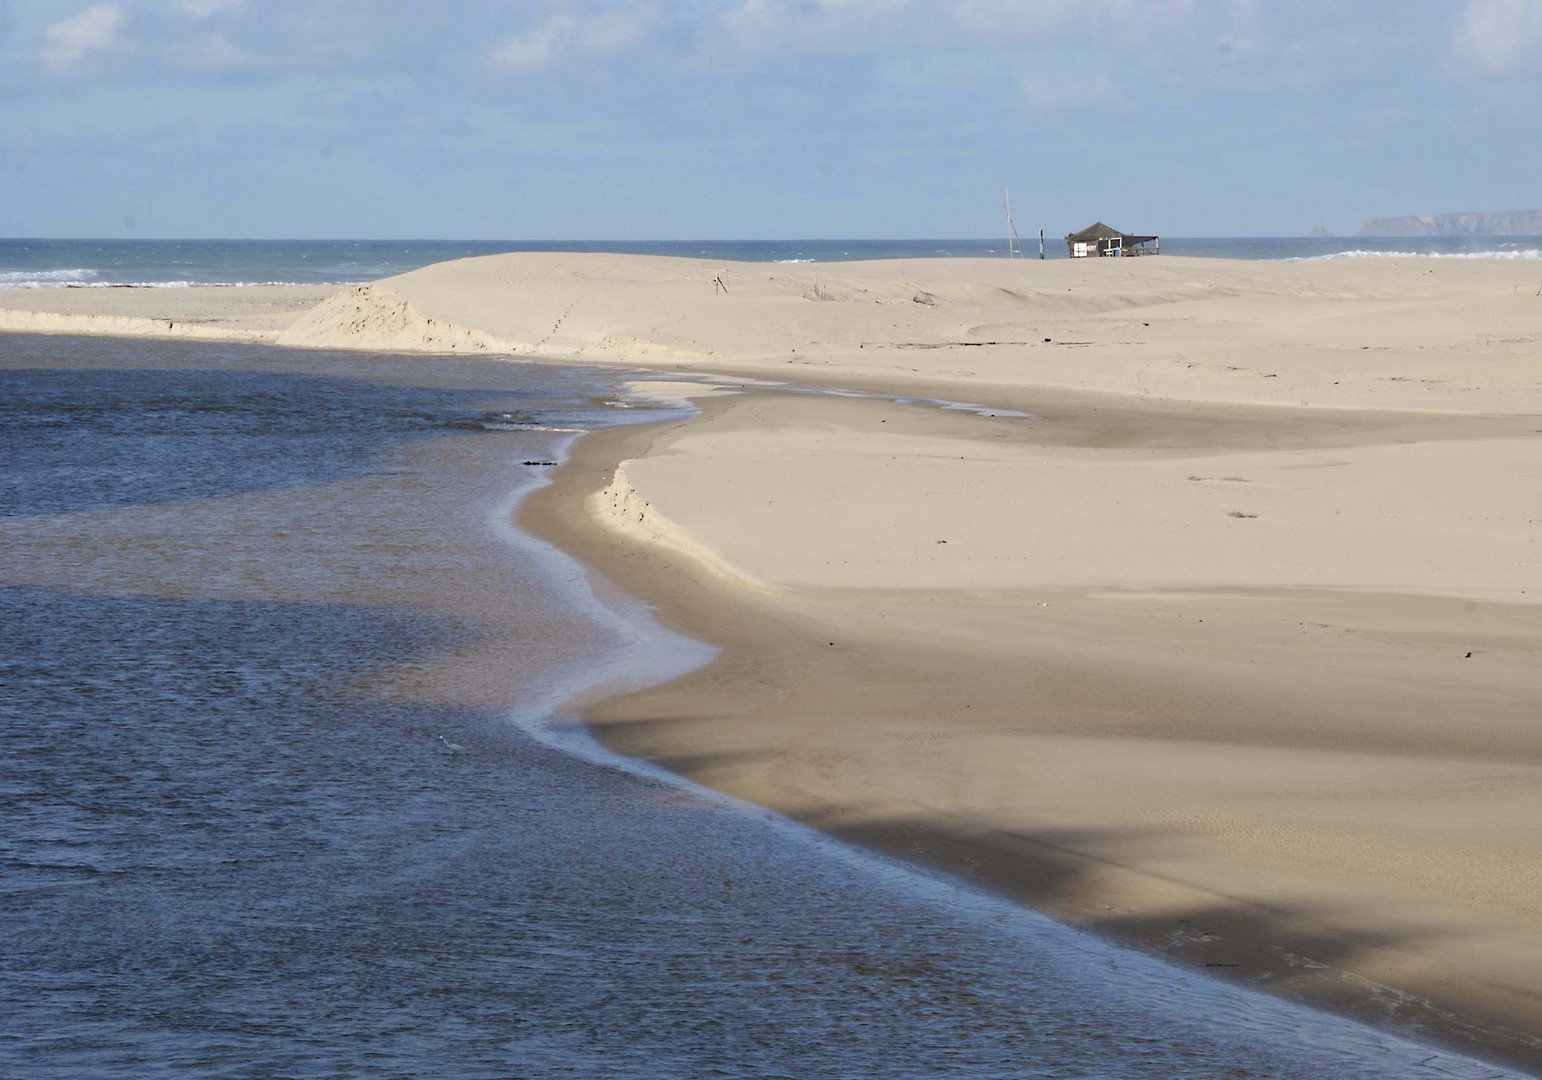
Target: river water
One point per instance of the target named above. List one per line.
(287, 789)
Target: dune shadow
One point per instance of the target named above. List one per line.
(1305, 956)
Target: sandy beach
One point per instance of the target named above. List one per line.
(1214, 627)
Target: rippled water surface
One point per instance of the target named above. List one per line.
(247, 598)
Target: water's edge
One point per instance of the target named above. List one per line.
(1432, 1037)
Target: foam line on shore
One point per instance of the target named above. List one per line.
(646, 653)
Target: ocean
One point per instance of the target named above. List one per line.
(291, 788)
(100, 263)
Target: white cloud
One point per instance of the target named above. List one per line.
(1016, 19)
(1499, 34)
(858, 26)
(559, 35)
(534, 49)
(826, 27)
(202, 9)
(214, 53)
(65, 43)
(613, 31)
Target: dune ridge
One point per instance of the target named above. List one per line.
(1391, 334)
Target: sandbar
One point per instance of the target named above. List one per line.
(1221, 636)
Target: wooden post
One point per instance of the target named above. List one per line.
(1014, 242)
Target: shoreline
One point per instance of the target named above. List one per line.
(1288, 953)
(1395, 334)
(1176, 657)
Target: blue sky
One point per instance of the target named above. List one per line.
(759, 118)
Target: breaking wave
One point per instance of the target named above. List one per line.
(1363, 253)
(90, 279)
(43, 279)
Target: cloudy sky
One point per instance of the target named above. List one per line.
(569, 119)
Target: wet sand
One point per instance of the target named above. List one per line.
(1301, 785)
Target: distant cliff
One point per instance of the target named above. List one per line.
(1486, 223)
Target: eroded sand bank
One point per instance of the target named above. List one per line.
(206, 312)
(1231, 648)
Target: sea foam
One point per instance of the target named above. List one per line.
(43, 279)
(1364, 253)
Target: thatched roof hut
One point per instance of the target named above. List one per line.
(1099, 239)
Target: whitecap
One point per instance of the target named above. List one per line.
(1365, 253)
(43, 279)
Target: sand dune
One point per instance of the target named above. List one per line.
(1412, 333)
(1426, 334)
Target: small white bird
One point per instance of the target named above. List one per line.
(453, 748)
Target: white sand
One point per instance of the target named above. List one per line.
(1393, 333)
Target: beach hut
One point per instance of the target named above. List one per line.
(1099, 240)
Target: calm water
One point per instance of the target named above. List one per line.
(59, 263)
(246, 596)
